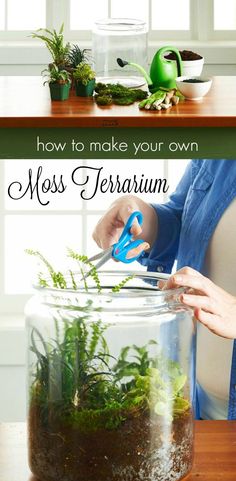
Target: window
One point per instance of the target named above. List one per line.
(182, 20)
(175, 20)
(164, 25)
(22, 16)
(66, 221)
(224, 19)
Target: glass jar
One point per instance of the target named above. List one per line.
(111, 382)
(120, 38)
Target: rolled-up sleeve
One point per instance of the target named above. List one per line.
(165, 249)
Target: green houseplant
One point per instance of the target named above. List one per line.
(84, 80)
(58, 81)
(76, 55)
(56, 45)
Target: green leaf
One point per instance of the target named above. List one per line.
(179, 383)
(181, 405)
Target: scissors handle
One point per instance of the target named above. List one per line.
(125, 243)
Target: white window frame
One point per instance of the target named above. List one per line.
(201, 25)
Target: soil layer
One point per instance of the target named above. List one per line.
(141, 449)
(186, 55)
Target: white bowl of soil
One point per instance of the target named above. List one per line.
(193, 88)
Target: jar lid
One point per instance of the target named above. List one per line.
(121, 25)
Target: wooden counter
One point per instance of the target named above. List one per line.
(24, 102)
(215, 452)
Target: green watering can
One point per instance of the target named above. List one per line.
(163, 72)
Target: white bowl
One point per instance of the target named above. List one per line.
(193, 67)
(193, 91)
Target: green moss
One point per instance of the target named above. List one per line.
(103, 99)
(117, 94)
(89, 420)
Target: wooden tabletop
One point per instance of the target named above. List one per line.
(24, 102)
(215, 452)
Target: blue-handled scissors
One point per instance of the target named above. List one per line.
(124, 245)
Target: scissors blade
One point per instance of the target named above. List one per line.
(106, 256)
(96, 257)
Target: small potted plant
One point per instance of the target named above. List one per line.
(54, 41)
(84, 80)
(75, 56)
(58, 81)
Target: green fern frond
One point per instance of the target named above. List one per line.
(122, 284)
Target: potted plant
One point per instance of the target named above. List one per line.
(54, 42)
(76, 55)
(58, 81)
(84, 80)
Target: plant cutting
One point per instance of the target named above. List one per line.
(84, 80)
(58, 81)
(54, 41)
(100, 408)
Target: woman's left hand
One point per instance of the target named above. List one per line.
(213, 307)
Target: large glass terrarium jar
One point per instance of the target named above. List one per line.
(111, 382)
(119, 37)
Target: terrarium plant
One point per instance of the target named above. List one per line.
(93, 413)
(84, 80)
(76, 55)
(55, 43)
(59, 82)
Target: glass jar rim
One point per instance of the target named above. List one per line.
(113, 23)
(138, 292)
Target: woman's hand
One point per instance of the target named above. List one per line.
(213, 306)
(109, 228)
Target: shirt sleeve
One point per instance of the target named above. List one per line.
(164, 251)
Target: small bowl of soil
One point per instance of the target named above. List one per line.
(192, 62)
(193, 88)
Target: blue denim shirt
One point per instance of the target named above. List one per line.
(187, 221)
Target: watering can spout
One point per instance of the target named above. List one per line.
(122, 63)
(163, 72)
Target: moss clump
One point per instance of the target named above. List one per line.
(104, 99)
(106, 94)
